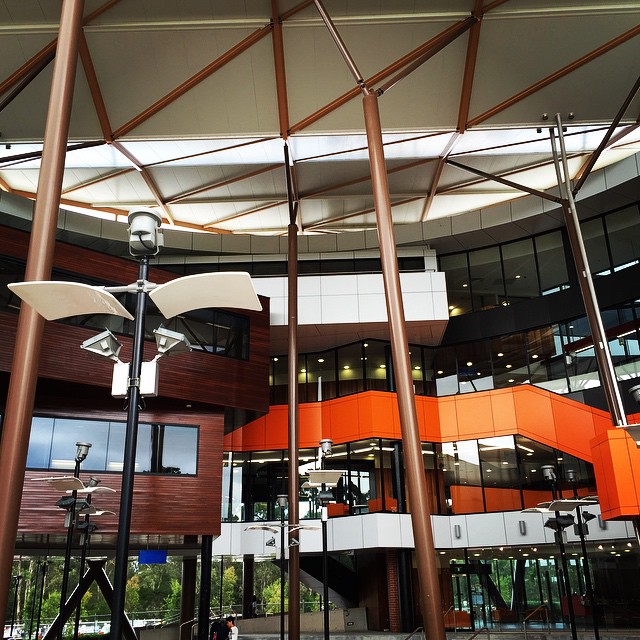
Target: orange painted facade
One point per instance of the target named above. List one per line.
(553, 420)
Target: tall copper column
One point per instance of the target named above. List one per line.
(24, 370)
(430, 598)
(294, 489)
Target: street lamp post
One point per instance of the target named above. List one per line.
(283, 501)
(55, 299)
(82, 450)
(325, 496)
(581, 528)
(14, 608)
(558, 525)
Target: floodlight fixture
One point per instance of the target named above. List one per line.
(560, 522)
(326, 446)
(104, 344)
(325, 497)
(82, 450)
(168, 341)
(548, 472)
(282, 500)
(271, 542)
(145, 235)
(586, 516)
(571, 475)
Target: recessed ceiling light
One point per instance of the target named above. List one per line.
(417, 368)
(346, 366)
(366, 344)
(465, 285)
(511, 380)
(469, 363)
(320, 359)
(303, 371)
(500, 354)
(508, 366)
(439, 372)
(451, 307)
(383, 366)
(535, 355)
(275, 359)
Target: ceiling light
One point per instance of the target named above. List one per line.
(469, 363)
(465, 285)
(366, 344)
(508, 366)
(417, 368)
(439, 372)
(451, 307)
(383, 366)
(320, 359)
(511, 380)
(535, 355)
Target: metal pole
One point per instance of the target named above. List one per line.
(204, 602)
(585, 558)
(131, 439)
(325, 571)
(431, 601)
(24, 368)
(33, 599)
(45, 566)
(282, 557)
(600, 343)
(221, 582)
(565, 569)
(293, 488)
(14, 608)
(71, 514)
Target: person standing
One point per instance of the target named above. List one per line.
(233, 630)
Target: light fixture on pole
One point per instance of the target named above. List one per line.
(82, 450)
(55, 300)
(325, 480)
(558, 524)
(283, 502)
(582, 529)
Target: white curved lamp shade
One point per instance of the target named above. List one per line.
(228, 289)
(54, 300)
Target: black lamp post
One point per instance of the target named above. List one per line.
(283, 502)
(14, 609)
(582, 529)
(82, 450)
(325, 497)
(558, 524)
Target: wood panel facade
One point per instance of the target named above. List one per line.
(195, 389)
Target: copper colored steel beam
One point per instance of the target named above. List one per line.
(430, 598)
(469, 69)
(94, 89)
(19, 74)
(303, 5)
(294, 439)
(26, 80)
(193, 81)
(24, 369)
(279, 67)
(576, 64)
(593, 158)
(431, 45)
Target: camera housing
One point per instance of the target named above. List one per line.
(635, 393)
(145, 235)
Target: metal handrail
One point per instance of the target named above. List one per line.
(413, 633)
(542, 607)
(479, 631)
(444, 615)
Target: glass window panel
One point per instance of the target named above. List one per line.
(279, 380)
(65, 435)
(461, 470)
(552, 263)
(115, 447)
(180, 450)
(595, 246)
(445, 370)
(474, 367)
(350, 369)
(417, 372)
(520, 272)
(456, 272)
(487, 284)
(543, 351)
(40, 440)
(377, 364)
(509, 360)
(325, 366)
(623, 230)
(500, 473)
(533, 456)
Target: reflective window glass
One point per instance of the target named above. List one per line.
(456, 270)
(179, 450)
(350, 369)
(520, 272)
(461, 471)
(552, 265)
(40, 441)
(500, 473)
(487, 283)
(623, 230)
(377, 364)
(596, 246)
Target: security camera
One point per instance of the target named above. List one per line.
(548, 472)
(145, 235)
(635, 393)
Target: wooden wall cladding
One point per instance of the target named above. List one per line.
(195, 376)
(162, 504)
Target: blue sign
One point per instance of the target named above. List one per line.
(152, 556)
